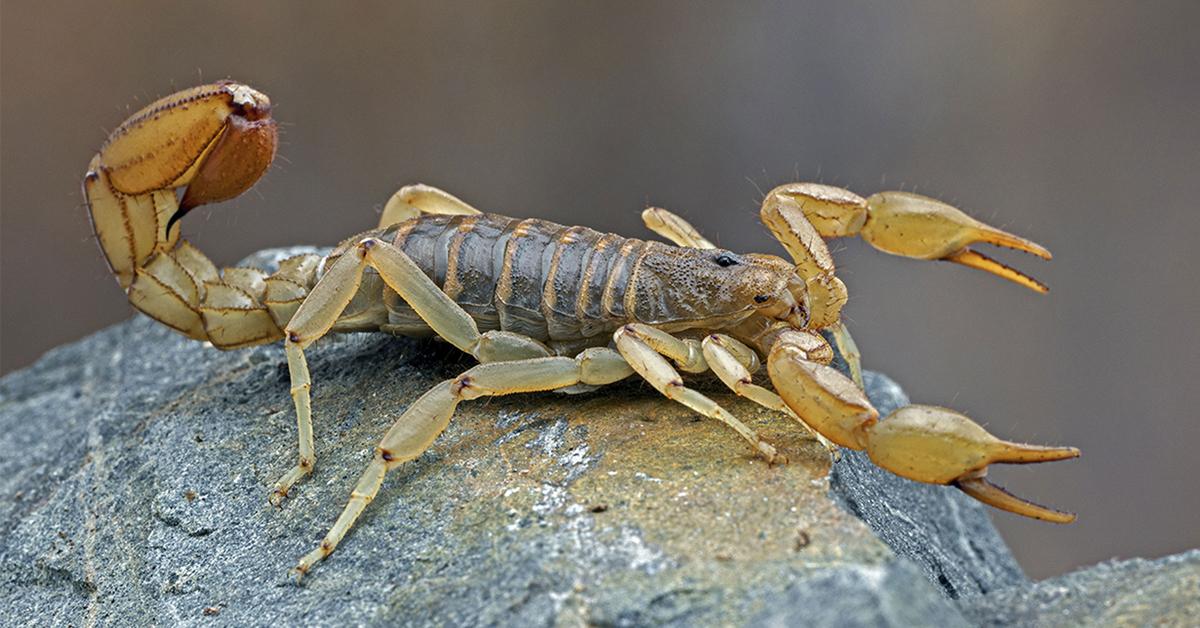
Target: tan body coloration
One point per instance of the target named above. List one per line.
(540, 305)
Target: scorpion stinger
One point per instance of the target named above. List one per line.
(216, 141)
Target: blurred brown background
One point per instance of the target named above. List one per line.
(1074, 123)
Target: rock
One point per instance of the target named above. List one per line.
(1164, 592)
(891, 595)
(135, 466)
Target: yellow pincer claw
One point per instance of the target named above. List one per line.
(911, 225)
(940, 446)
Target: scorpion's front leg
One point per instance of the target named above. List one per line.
(643, 347)
(428, 416)
(923, 443)
(734, 363)
(906, 224)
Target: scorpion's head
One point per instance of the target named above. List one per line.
(685, 287)
(713, 288)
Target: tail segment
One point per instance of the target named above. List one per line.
(216, 140)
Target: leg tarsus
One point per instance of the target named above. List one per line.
(364, 492)
(301, 399)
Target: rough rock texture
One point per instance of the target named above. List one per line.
(135, 465)
(1163, 592)
(895, 595)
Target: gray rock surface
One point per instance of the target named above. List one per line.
(135, 465)
(1163, 592)
(892, 595)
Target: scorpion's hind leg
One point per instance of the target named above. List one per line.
(312, 320)
(429, 415)
(321, 308)
(906, 224)
(923, 443)
(643, 347)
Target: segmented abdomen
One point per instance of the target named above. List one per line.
(532, 277)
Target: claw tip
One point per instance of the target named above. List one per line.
(998, 497)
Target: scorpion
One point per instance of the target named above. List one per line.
(541, 306)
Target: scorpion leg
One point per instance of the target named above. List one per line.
(734, 362)
(674, 228)
(411, 201)
(334, 291)
(923, 443)
(849, 351)
(312, 320)
(643, 347)
(906, 224)
(429, 415)
(443, 315)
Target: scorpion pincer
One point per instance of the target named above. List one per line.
(541, 306)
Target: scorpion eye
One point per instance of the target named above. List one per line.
(724, 261)
(762, 298)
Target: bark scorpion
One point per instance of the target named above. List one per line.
(541, 306)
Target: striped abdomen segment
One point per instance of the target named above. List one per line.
(532, 277)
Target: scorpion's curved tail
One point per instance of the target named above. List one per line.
(213, 142)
